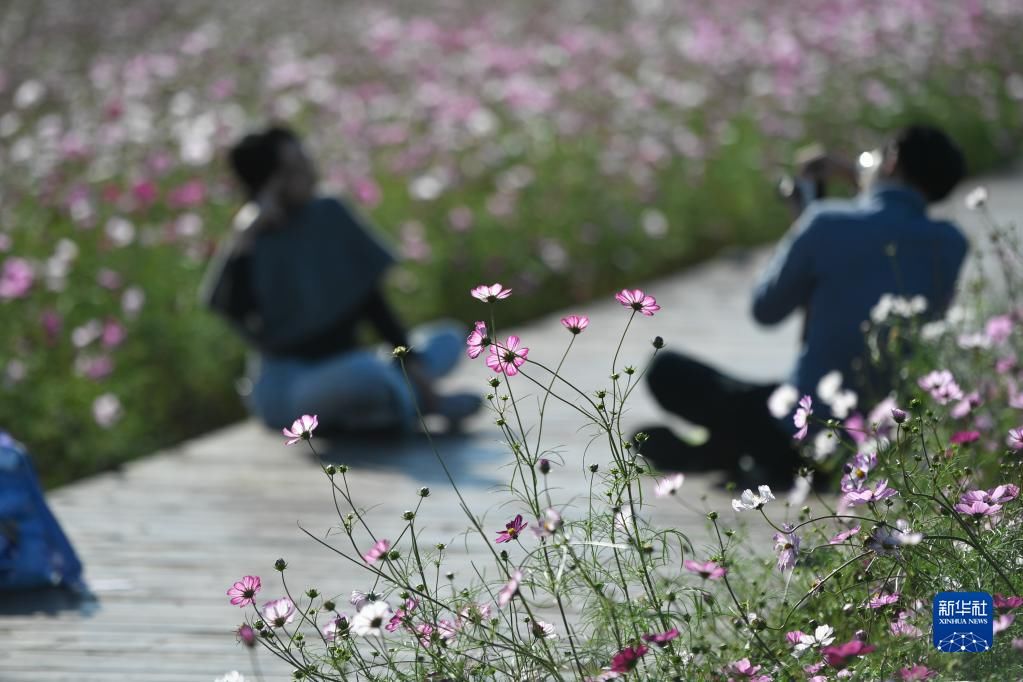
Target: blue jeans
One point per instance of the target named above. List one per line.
(362, 389)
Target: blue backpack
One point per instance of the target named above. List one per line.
(34, 551)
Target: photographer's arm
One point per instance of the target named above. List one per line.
(788, 280)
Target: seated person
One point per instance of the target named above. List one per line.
(297, 278)
(836, 262)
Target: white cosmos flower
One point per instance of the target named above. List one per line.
(669, 485)
(750, 500)
(822, 636)
(371, 618)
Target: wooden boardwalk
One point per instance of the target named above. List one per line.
(164, 538)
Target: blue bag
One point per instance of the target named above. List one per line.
(34, 552)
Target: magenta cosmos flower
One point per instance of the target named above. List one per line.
(379, 549)
(402, 614)
(627, 659)
(301, 429)
(15, 278)
(279, 612)
(917, 672)
(744, 668)
(477, 340)
(802, 417)
(575, 323)
(838, 656)
(1004, 603)
(879, 601)
(243, 592)
(708, 570)
(963, 437)
(511, 529)
(638, 301)
(510, 589)
(661, 639)
(489, 294)
(246, 635)
(509, 358)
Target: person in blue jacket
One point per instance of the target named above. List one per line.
(833, 266)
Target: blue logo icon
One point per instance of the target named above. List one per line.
(964, 622)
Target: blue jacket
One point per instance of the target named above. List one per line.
(838, 260)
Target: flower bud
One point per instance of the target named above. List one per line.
(280, 565)
(408, 515)
(329, 605)
(424, 492)
(312, 593)
(494, 382)
(658, 342)
(400, 351)
(246, 635)
(860, 635)
(544, 466)
(331, 469)
(899, 415)
(593, 468)
(712, 516)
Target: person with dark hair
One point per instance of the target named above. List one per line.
(835, 264)
(297, 278)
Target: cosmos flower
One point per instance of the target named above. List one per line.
(628, 658)
(661, 639)
(511, 530)
(879, 601)
(879, 492)
(1015, 439)
(489, 294)
(369, 620)
(477, 340)
(886, 540)
(669, 485)
(978, 509)
(838, 656)
(509, 358)
(244, 591)
(336, 627)
(510, 589)
(550, 524)
(638, 301)
(787, 546)
(379, 549)
(575, 323)
(750, 500)
(301, 429)
(823, 635)
(708, 570)
(279, 612)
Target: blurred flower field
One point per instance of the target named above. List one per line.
(564, 150)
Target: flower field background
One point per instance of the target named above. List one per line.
(558, 149)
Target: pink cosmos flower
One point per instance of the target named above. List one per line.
(336, 627)
(707, 570)
(744, 668)
(916, 672)
(511, 530)
(301, 429)
(279, 612)
(856, 471)
(879, 492)
(401, 614)
(246, 635)
(473, 613)
(510, 589)
(489, 294)
(669, 485)
(1015, 439)
(1002, 494)
(550, 524)
(425, 633)
(1003, 622)
(243, 592)
(844, 535)
(998, 329)
(575, 323)
(802, 417)
(1003, 603)
(477, 340)
(879, 601)
(638, 301)
(978, 509)
(942, 386)
(787, 546)
(15, 278)
(113, 334)
(543, 630)
(838, 656)
(379, 549)
(661, 639)
(961, 437)
(627, 659)
(902, 627)
(509, 358)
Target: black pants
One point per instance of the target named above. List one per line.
(733, 411)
